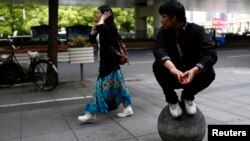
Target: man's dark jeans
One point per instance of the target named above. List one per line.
(168, 83)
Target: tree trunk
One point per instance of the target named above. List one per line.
(53, 30)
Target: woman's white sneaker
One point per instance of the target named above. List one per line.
(126, 112)
(87, 117)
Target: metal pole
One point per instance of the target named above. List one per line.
(53, 30)
(81, 69)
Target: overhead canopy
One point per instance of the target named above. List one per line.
(224, 6)
(113, 3)
(229, 6)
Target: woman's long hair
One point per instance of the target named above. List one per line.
(110, 19)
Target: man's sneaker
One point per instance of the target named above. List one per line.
(87, 117)
(175, 110)
(190, 107)
(126, 112)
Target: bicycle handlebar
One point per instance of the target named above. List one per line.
(11, 44)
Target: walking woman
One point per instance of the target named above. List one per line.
(110, 81)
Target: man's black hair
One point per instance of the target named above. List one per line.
(173, 7)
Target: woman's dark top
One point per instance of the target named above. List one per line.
(108, 38)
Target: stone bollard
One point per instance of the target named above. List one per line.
(184, 128)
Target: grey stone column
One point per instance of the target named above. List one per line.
(140, 24)
(157, 16)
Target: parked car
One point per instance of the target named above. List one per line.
(216, 35)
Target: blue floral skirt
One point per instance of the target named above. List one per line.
(112, 85)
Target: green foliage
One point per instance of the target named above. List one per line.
(150, 28)
(124, 19)
(72, 15)
(5, 20)
(21, 17)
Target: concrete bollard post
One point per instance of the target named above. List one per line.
(184, 128)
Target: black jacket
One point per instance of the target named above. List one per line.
(194, 44)
(108, 38)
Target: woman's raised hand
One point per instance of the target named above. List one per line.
(105, 15)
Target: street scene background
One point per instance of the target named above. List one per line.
(29, 114)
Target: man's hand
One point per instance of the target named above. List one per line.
(176, 73)
(189, 76)
(173, 70)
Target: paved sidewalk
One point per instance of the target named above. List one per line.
(28, 114)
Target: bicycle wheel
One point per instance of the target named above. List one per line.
(45, 75)
(8, 75)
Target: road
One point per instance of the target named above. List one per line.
(141, 63)
(233, 57)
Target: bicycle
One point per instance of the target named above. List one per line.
(41, 71)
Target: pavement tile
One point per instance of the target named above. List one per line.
(243, 122)
(40, 114)
(150, 137)
(211, 121)
(208, 95)
(222, 104)
(9, 96)
(100, 118)
(9, 100)
(107, 130)
(141, 123)
(242, 90)
(54, 117)
(158, 101)
(43, 125)
(36, 97)
(223, 115)
(205, 107)
(243, 99)
(75, 124)
(10, 116)
(66, 93)
(147, 107)
(144, 93)
(226, 94)
(14, 140)
(10, 130)
(72, 110)
(245, 112)
(57, 136)
(130, 139)
(10, 91)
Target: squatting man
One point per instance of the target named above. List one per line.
(184, 58)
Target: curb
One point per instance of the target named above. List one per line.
(43, 104)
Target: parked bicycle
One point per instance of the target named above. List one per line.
(41, 71)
